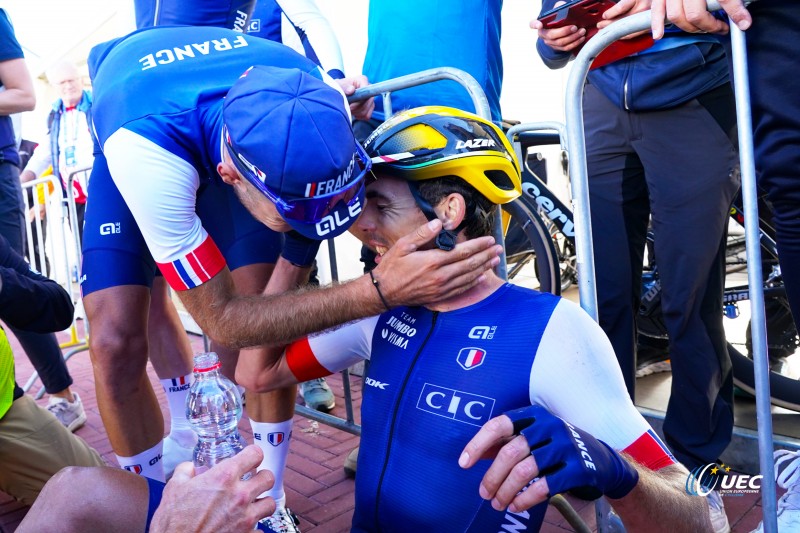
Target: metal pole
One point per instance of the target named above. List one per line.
(758, 324)
(427, 76)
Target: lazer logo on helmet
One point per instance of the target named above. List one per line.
(330, 222)
(456, 405)
(319, 188)
(475, 143)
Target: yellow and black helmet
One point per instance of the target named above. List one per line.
(435, 141)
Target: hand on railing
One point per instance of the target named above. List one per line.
(694, 16)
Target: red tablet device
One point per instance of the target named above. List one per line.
(586, 14)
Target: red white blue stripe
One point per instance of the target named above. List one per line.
(195, 268)
(649, 451)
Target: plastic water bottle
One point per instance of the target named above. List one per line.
(213, 408)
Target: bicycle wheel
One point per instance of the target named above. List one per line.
(565, 253)
(527, 239)
(782, 342)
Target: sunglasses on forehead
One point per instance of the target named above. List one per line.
(309, 209)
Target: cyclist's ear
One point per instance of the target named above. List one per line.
(228, 173)
(451, 210)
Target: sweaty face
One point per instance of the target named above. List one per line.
(390, 213)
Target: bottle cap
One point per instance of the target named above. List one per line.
(206, 362)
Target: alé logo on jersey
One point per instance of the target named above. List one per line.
(190, 51)
(469, 358)
(110, 228)
(482, 332)
(455, 404)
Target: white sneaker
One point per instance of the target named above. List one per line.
(70, 414)
(719, 520)
(789, 503)
(281, 521)
(174, 454)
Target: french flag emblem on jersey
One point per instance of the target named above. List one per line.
(195, 268)
(470, 358)
(176, 382)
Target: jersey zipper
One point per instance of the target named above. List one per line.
(394, 419)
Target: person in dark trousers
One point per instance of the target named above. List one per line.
(660, 134)
(772, 35)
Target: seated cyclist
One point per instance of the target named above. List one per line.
(442, 373)
(498, 365)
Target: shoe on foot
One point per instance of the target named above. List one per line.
(282, 521)
(716, 508)
(175, 453)
(318, 394)
(350, 463)
(70, 414)
(651, 360)
(787, 473)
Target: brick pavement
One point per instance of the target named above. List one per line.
(316, 487)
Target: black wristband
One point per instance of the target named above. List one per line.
(377, 285)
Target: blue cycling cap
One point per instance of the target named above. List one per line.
(289, 134)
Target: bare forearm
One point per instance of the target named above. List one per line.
(16, 101)
(256, 368)
(289, 316)
(244, 321)
(659, 503)
(18, 95)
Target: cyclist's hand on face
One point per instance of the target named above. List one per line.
(532, 446)
(693, 16)
(361, 110)
(563, 39)
(411, 275)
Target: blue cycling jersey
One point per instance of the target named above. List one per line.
(158, 119)
(414, 35)
(436, 377)
(190, 69)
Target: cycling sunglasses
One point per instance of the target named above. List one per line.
(305, 209)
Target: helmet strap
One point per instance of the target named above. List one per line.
(446, 239)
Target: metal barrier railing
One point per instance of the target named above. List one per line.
(583, 237)
(48, 240)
